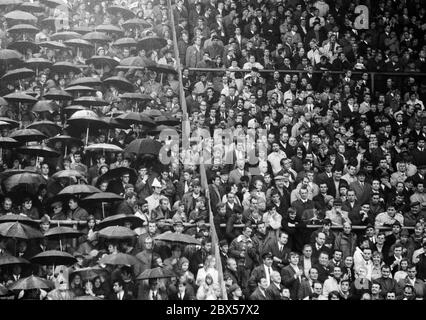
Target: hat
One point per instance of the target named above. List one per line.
(415, 203)
(267, 255)
(279, 177)
(156, 183)
(369, 226)
(396, 223)
(326, 221)
(338, 201)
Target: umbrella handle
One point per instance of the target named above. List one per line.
(87, 134)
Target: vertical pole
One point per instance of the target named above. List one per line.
(372, 84)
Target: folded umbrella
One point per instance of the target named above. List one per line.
(21, 28)
(177, 237)
(116, 233)
(19, 231)
(39, 151)
(25, 135)
(53, 257)
(119, 259)
(144, 146)
(31, 282)
(89, 101)
(156, 273)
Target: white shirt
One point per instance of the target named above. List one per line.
(268, 270)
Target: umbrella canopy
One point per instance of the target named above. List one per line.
(119, 259)
(62, 233)
(67, 174)
(136, 96)
(78, 43)
(79, 189)
(24, 45)
(79, 88)
(120, 83)
(152, 113)
(177, 237)
(85, 81)
(9, 55)
(57, 94)
(109, 28)
(103, 197)
(31, 7)
(52, 45)
(19, 231)
(39, 151)
(20, 28)
(60, 4)
(74, 108)
(101, 61)
(124, 42)
(167, 120)
(82, 29)
(135, 23)
(13, 123)
(162, 68)
(120, 219)
(125, 12)
(152, 43)
(132, 63)
(53, 257)
(65, 35)
(144, 146)
(65, 67)
(38, 63)
(116, 232)
(12, 260)
(7, 142)
(103, 147)
(135, 118)
(65, 140)
(89, 273)
(20, 16)
(20, 97)
(156, 273)
(24, 135)
(85, 117)
(116, 173)
(19, 218)
(46, 127)
(45, 106)
(10, 2)
(89, 101)
(31, 282)
(96, 36)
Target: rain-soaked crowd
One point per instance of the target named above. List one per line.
(111, 183)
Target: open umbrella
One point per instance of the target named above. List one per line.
(119, 259)
(7, 142)
(52, 45)
(61, 233)
(31, 282)
(74, 108)
(82, 29)
(78, 43)
(89, 273)
(109, 28)
(135, 118)
(103, 147)
(69, 173)
(65, 140)
(65, 35)
(57, 94)
(177, 237)
(20, 97)
(85, 81)
(13, 123)
(12, 260)
(53, 257)
(135, 96)
(120, 83)
(144, 146)
(8, 55)
(80, 89)
(156, 273)
(116, 173)
(55, 23)
(124, 43)
(162, 68)
(152, 43)
(96, 36)
(19, 15)
(152, 113)
(46, 127)
(120, 219)
(38, 64)
(167, 120)
(89, 101)
(39, 151)
(78, 189)
(125, 12)
(10, 2)
(132, 63)
(23, 46)
(58, 4)
(116, 233)
(18, 230)
(86, 118)
(24, 135)
(19, 218)
(136, 23)
(31, 7)
(20, 28)
(102, 61)
(45, 106)
(102, 197)
(65, 67)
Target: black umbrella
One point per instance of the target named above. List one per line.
(116, 233)
(65, 140)
(74, 108)
(39, 151)
(7, 142)
(30, 283)
(45, 106)
(135, 118)
(80, 89)
(59, 4)
(144, 146)
(38, 64)
(57, 94)
(126, 13)
(10, 56)
(78, 43)
(109, 28)
(12, 260)
(85, 81)
(167, 120)
(135, 96)
(82, 29)
(65, 67)
(120, 220)
(152, 43)
(125, 42)
(19, 15)
(52, 45)
(103, 147)
(102, 61)
(53, 257)
(156, 273)
(120, 259)
(117, 173)
(46, 127)
(78, 189)
(96, 36)
(20, 97)
(13, 123)
(132, 63)
(24, 45)
(19, 218)
(89, 273)
(65, 35)
(135, 23)
(31, 7)
(102, 197)
(174, 237)
(120, 83)
(24, 135)
(162, 68)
